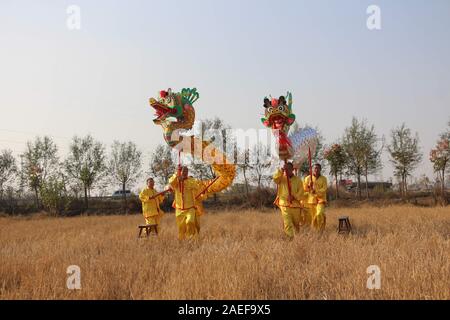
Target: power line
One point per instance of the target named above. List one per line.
(12, 141)
(35, 134)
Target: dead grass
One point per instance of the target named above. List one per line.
(240, 255)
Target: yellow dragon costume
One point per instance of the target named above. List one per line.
(291, 194)
(175, 113)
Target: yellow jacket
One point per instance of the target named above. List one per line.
(191, 188)
(320, 184)
(283, 192)
(151, 207)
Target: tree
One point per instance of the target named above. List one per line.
(372, 156)
(337, 160)
(440, 157)
(260, 161)
(245, 166)
(162, 165)
(39, 163)
(125, 165)
(8, 169)
(54, 195)
(404, 154)
(201, 170)
(360, 145)
(216, 131)
(86, 163)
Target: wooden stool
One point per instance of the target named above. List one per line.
(148, 229)
(344, 225)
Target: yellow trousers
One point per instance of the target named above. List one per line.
(153, 220)
(293, 218)
(317, 214)
(188, 226)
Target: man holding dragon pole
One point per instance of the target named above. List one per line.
(186, 190)
(151, 201)
(175, 112)
(278, 117)
(289, 199)
(316, 189)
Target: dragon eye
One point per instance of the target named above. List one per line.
(270, 109)
(281, 108)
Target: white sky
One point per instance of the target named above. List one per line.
(97, 80)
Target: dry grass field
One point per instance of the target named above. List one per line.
(240, 255)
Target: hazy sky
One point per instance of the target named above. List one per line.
(58, 82)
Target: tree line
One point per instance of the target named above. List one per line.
(358, 153)
(53, 181)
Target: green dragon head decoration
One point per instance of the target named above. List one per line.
(174, 105)
(278, 113)
(278, 116)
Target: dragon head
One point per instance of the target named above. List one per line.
(174, 109)
(278, 113)
(279, 117)
(166, 106)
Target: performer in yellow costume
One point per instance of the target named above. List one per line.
(150, 203)
(289, 199)
(198, 204)
(175, 112)
(316, 190)
(186, 205)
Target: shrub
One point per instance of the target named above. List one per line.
(54, 198)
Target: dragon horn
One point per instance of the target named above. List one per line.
(289, 102)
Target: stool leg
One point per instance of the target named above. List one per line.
(139, 232)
